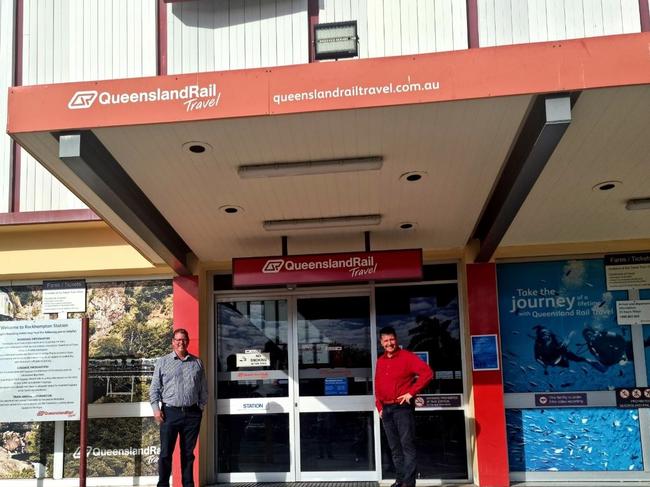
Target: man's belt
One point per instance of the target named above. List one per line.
(185, 409)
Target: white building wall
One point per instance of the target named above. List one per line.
(80, 40)
(220, 35)
(6, 70)
(522, 21)
(400, 27)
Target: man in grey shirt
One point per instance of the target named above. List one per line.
(178, 394)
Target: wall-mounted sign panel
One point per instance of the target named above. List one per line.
(388, 265)
(64, 296)
(633, 397)
(633, 312)
(561, 400)
(438, 401)
(485, 352)
(40, 370)
(627, 271)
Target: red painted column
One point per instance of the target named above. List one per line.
(489, 409)
(186, 315)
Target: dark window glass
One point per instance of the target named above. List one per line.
(336, 441)
(426, 319)
(441, 447)
(222, 282)
(243, 329)
(334, 346)
(253, 443)
(439, 272)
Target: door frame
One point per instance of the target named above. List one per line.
(290, 404)
(331, 404)
(340, 290)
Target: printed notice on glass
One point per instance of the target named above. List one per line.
(254, 359)
(40, 370)
(627, 271)
(64, 296)
(633, 312)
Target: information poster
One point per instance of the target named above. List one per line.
(485, 352)
(558, 328)
(633, 312)
(627, 271)
(64, 296)
(40, 370)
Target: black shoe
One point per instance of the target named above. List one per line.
(396, 484)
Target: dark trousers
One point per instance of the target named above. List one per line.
(184, 423)
(399, 426)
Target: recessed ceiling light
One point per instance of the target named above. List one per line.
(413, 176)
(606, 185)
(196, 147)
(231, 209)
(407, 226)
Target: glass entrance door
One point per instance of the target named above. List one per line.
(294, 390)
(334, 396)
(254, 421)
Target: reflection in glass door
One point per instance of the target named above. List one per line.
(335, 439)
(254, 411)
(294, 390)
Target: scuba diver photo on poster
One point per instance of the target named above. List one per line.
(559, 335)
(559, 330)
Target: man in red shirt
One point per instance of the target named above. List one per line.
(400, 375)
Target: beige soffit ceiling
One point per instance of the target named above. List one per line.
(608, 139)
(459, 145)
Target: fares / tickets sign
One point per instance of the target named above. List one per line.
(627, 271)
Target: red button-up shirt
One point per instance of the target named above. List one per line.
(395, 376)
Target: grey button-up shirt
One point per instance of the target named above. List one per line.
(178, 382)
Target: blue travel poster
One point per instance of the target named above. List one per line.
(569, 440)
(559, 330)
(484, 352)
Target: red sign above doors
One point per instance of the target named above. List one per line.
(386, 265)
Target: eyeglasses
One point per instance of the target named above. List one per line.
(179, 340)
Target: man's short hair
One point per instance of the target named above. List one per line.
(387, 330)
(182, 331)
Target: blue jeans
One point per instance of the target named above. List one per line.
(399, 426)
(184, 423)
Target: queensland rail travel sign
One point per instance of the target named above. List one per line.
(386, 265)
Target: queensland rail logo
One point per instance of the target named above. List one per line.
(82, 99)
(273, 266)
(193, 97)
